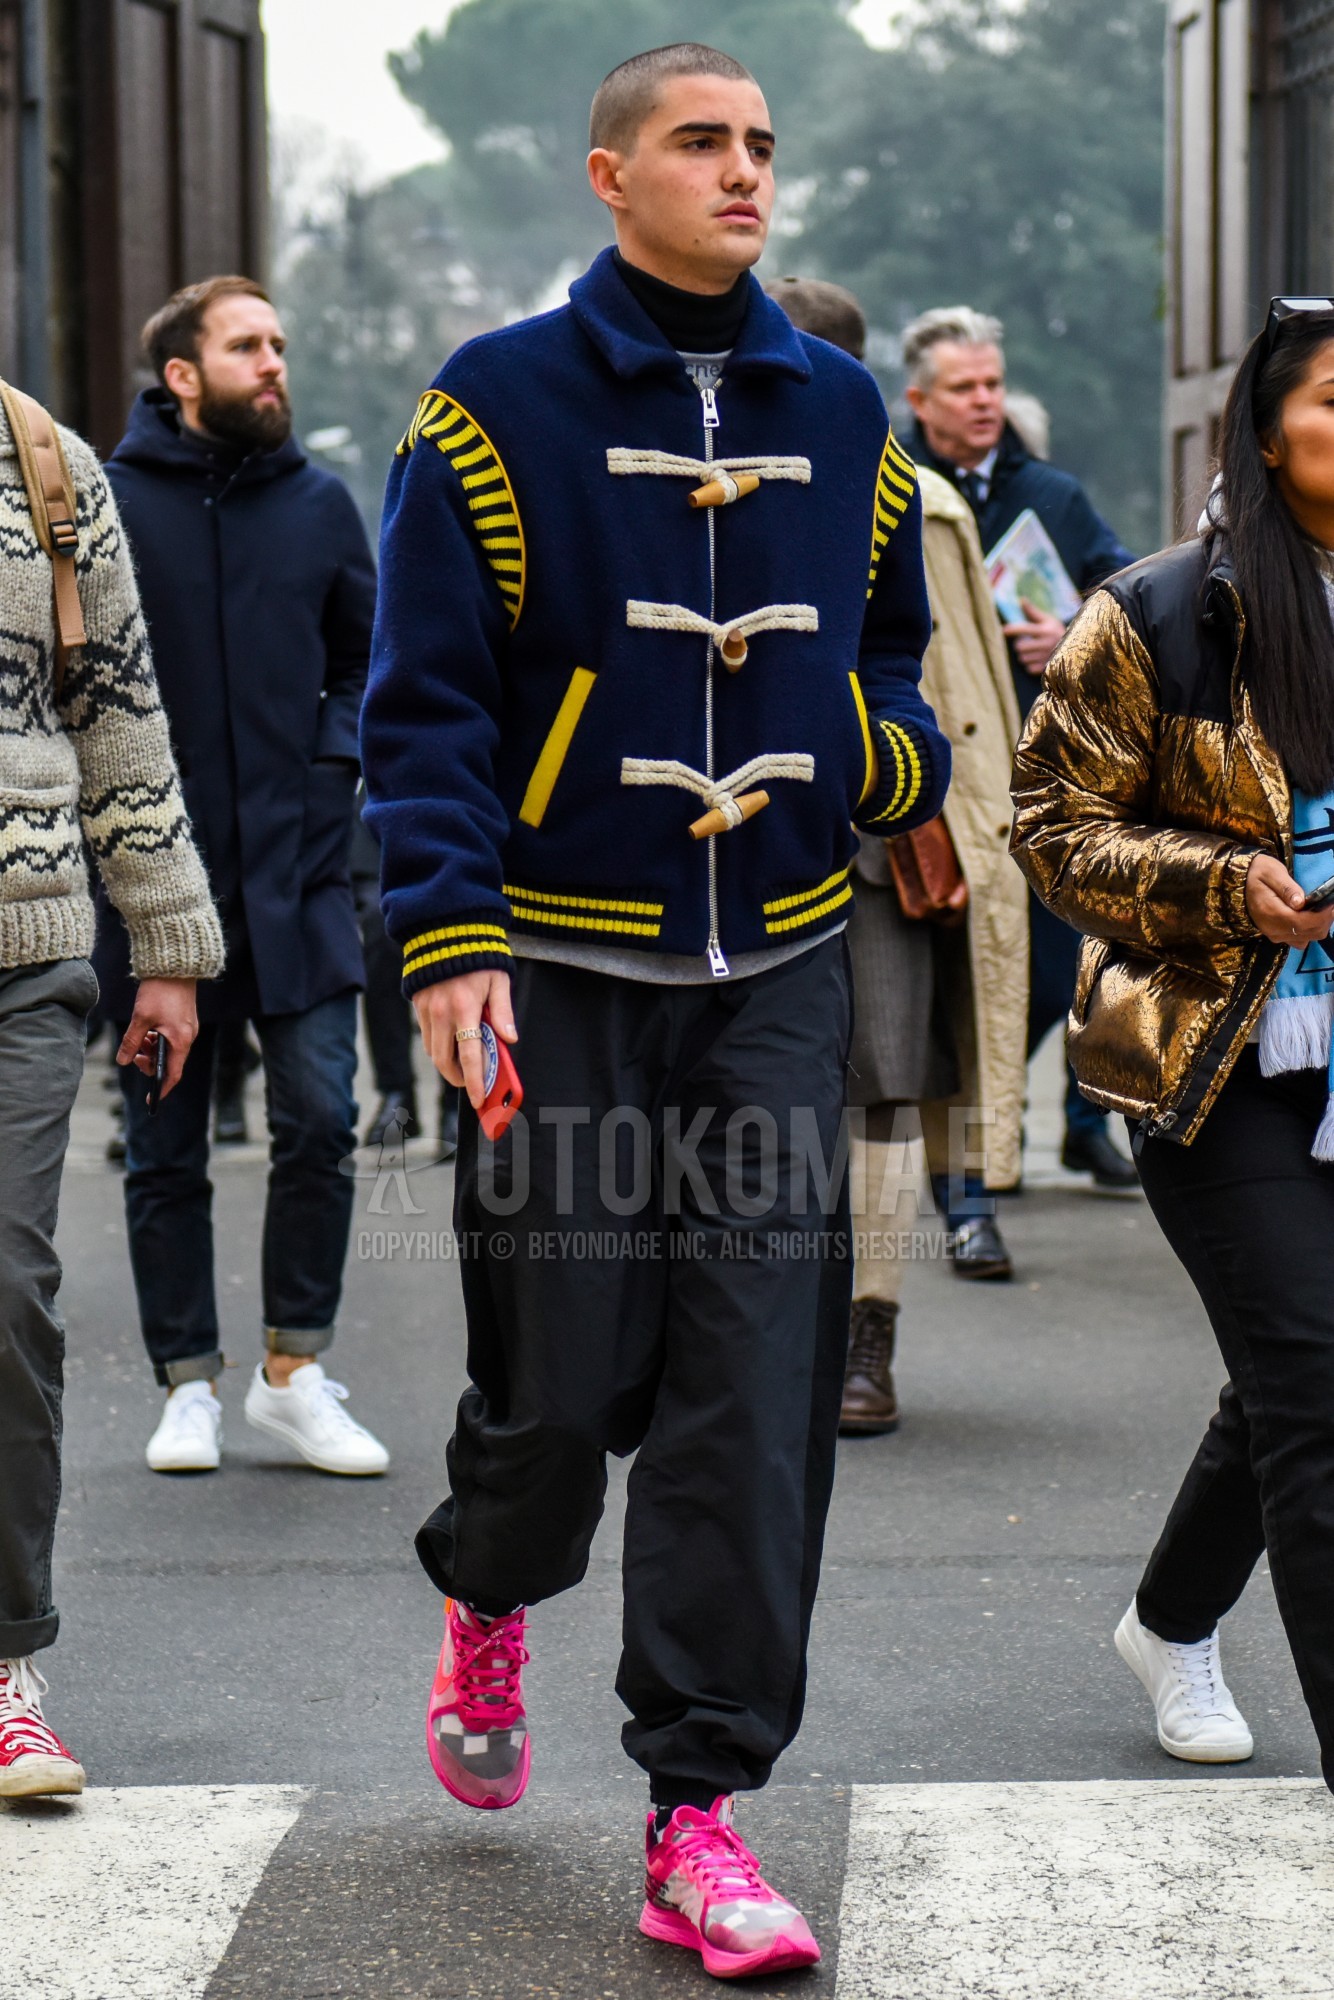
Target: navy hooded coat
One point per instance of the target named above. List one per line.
(259, 591)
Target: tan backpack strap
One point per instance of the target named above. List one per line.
(51, 497)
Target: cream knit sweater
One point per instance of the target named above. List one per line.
(95, 775)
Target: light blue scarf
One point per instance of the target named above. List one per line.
(1296, 1024)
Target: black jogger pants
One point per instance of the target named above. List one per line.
(1251, 1216)
(652, 1267)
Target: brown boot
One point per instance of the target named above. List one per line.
(870, 1406)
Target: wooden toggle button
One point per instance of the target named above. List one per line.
(734, 649)
(719, 821)
(722, 491)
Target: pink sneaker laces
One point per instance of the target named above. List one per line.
(489, 1658)
(23, 1730)
(720, 1862)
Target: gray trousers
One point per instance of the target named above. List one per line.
(42, 1014)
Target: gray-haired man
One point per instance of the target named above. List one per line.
(956, 386)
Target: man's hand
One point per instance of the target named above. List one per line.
(1277, 905)
(163, 1007)
(457, 1003)
(1036, 641)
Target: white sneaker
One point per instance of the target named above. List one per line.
(309, 1415)
(189, 1437)
(1197, 1717)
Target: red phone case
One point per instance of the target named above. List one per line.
(504, 1092)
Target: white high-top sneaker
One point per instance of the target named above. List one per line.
(1197, 1717)
(189, 1436)
(309, 1415)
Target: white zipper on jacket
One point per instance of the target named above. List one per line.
(718, 965)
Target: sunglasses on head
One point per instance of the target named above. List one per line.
(1283, 311)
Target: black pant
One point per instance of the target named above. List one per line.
(1251, 1216)
(697, 1317)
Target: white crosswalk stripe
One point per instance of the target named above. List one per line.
(134, 1894)
(1167, 1890)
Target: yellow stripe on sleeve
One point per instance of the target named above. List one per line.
(486, 487)
(895, 485)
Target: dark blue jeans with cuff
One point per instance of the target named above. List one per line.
(310, 1063)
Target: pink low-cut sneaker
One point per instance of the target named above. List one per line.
(703, 1889)
(476, 1728)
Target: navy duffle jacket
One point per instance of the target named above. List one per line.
(550, 705)
(258, 587)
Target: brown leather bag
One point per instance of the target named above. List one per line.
(50, 491)
(927, 875)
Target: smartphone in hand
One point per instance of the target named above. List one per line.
(161, 1050)
(1321, 897)
(504, 1092)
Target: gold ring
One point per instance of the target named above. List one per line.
(477, 1035)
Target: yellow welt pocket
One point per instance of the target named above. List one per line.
(867, 745)
(548, 766)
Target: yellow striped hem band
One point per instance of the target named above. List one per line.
(569, 920)
(833, 881)
(810, 916)
(616, 905)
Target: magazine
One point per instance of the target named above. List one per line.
(1024, 563)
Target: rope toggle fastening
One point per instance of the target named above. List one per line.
(730, 803)
(726, 488)
(730, 638)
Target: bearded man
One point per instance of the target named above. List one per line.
(259, 592)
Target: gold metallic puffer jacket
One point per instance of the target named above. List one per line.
(1143, 789)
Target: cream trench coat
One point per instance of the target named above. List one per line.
(966, 679)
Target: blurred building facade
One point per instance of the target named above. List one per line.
(132, 159)
(1250, 200)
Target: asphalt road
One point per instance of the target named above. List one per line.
(270, 1626)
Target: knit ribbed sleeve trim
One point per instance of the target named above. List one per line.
(467, 943)
(904, 759)
(187, 944)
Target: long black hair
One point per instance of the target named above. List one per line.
(1290, 660)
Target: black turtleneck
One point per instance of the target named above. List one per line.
(694, 322)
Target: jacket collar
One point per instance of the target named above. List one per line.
(1011, 453)
(154, 438)
(1220, 595)
(632, 346)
